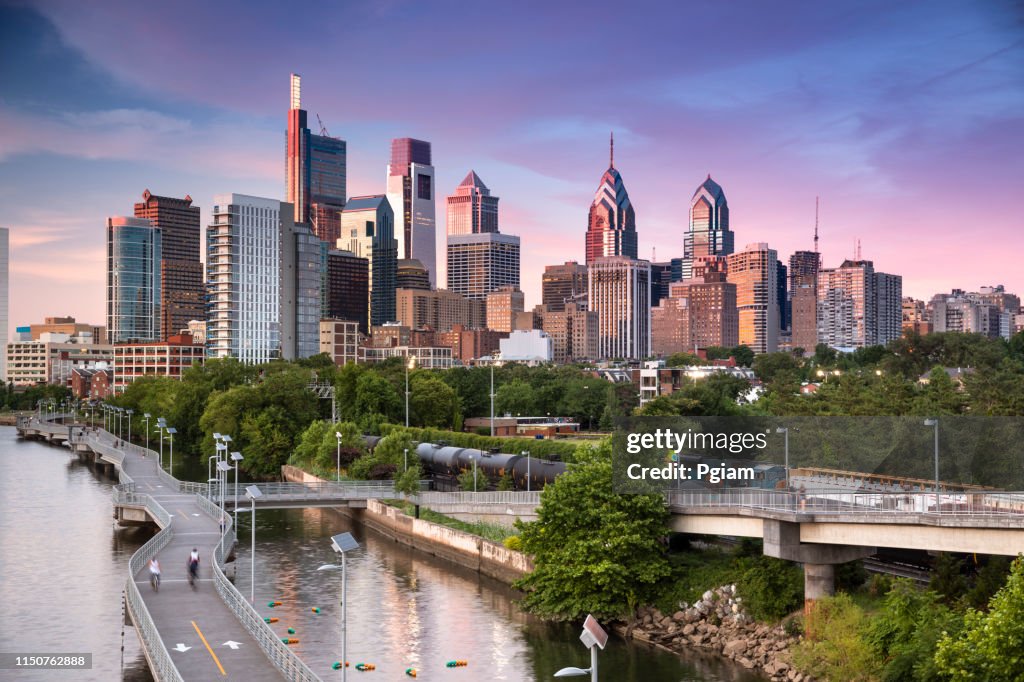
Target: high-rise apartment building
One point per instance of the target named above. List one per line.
(348, 289)
(620, 293)
(503, 305)
(696, 314)
(561, 283)
(611, 225)
(243, 262)
(481, 263)
(847, 305)
(803, 298)
(303, 258)
(5, 259)
(368, 231)
(709, 233)
(472, 209)
(754, 272)
(410, 191)
(574, 333)
(970, 312)
(182, 292)
(782, 285)
(315, 171)
(888, 307)
(133, 280)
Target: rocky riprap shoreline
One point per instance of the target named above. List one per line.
(718, 624)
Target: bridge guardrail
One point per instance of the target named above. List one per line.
(908, 502)
(503, 497)
(283, 658)
(326, 490)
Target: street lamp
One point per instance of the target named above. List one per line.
(170, 437)
(161, 424)
(593, 637)
(342, 544)
(130, 412)
(935, 422)
(145, 417)
(337, 434)
(222, 471)
(253, 493)
(784, 430)
(409, 365)
(236, 457)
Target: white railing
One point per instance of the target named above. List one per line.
(504, 497)
(320, 491)
(1006, 505)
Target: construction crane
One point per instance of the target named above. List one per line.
(323, 128)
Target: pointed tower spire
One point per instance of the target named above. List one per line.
(611, 150)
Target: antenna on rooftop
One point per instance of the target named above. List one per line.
(815, 224)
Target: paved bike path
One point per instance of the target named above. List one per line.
(196, 619)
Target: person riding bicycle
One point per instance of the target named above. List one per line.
(154, 572)
(193, 564)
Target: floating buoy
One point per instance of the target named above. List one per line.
(291, 631)
(411, 672)
(337, 665)
(272, 604)
(289, 640)
(458, 663)
(364, 667)
(315, 609)
(270, 620)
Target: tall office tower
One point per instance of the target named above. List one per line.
(412, 275)
(697, 313)
(754, 272)
(181, 272)
(611, 227)
(472, 209)
(302, 279)
(502, 307)
(4, 299)
(782, 295)
(574, 332)
(133, 280)
(620, 293)
(243, 264)
(315, 171)
(561, 283)
(348, 288)
(481, 263)
(847, 305)
(803, 299)
(888, 307)
(411, 195)
(661, 277)
(709, 233)
(368, 231)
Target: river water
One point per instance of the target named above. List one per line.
(62, 572)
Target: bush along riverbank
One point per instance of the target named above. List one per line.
(718, 623)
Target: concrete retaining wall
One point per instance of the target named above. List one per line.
(489, 558)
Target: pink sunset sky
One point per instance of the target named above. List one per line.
(907, 121)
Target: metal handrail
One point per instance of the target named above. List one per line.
(283, 658)
(506, 497)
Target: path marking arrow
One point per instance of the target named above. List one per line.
(232, 644)
(181, 647)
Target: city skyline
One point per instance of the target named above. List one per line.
(823, 101)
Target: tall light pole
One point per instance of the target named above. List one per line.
(337, 434)
(492, 396)
(784, 430)
(236, 457)
(130, 412)
(145, 417)
(170, 437)
(222, 472)
(342, 544)
(409, 365)
(253, 493)
(935, 422)
(161, 424)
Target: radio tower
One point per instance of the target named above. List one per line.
(817, 255)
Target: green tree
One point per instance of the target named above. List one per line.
(375, 395)
(767, 365)
(594, 551)
(683, 360)
(990, 646)
(836, 648)
(432, 402)
(743, 355)
(516, 397)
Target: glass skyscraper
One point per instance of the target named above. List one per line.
(133, 280)
(709, 233)
(410, 191)
(472, 209)
(368, 231)
(611, 225)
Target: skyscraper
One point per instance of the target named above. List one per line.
(889, 307)
(697, 313)
(471, 208)
(368, 231)
(348, 288)
(783, 295)
(503, 305)
(803, 299)
(611, 227)
(133, 280)
(709, 233)
(847, 305)
(315, 171)
(481, 263)
(754, 272)
(412, 275)
(561, 283)
(302, 279)
(410, 191)
(181, 272)
(620, 293)
(243, 260)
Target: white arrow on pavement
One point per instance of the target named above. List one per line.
(181, 647)
(232, 644)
